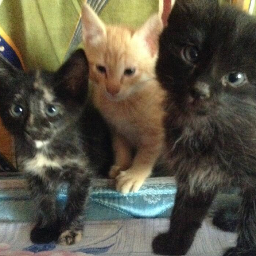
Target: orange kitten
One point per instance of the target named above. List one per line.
(122, 70)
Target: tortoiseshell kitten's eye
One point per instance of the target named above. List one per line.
(16, 110)
(52, 110)
(190, 54)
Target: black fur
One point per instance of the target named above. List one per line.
(60, 139)
(206, 63)
(225, 210)
(227, 218)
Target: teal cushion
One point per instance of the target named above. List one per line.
(154, 200)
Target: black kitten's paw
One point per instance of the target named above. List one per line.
(44, 235)
(69, 237)
(226, 220)
(162, 245)
(236, 251)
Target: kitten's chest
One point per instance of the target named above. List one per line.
(39, 163)
(50, 166)
(135, 116)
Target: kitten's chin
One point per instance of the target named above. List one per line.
(35, 139)
(197, 107)
(117, 97)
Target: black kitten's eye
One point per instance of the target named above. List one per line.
(129, 71)
(234, 79)
(16, 110)
(190, 54)
(101, 69)
(52, 110)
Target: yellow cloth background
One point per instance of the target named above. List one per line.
(42, 29)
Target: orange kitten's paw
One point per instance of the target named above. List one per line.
(128, 181)
(70, 237)
(114, 171)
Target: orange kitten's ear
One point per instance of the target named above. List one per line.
(94, 29)
(149, 32)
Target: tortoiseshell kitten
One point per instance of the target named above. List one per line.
(60, 139)
(207, 65)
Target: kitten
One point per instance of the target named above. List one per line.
(206, 64)
(125, 90)
(58, 138)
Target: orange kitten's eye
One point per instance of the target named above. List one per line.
(129, 71)
(101, 69)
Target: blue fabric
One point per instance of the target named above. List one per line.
(9, 51)
(155, 199)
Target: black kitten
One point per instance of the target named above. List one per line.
(207, 64)
(59, 139)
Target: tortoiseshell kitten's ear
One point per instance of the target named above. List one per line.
(6, 68)
(72, 78)
(7, 74)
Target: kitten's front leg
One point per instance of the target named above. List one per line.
(187, 216)
(246, 242)
(72, 219)
(133, 178)
(123, 157)
(47, 228)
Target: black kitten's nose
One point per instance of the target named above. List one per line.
(200, 91)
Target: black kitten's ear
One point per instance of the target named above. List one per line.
(72, 77)
(187, 9)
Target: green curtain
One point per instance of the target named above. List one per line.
(43, 29)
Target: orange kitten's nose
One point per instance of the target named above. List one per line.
(113, 90)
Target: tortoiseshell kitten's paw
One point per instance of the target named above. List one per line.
(237, 251)
(45, 235)
(69, 237)
(162, 245)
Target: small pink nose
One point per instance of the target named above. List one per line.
(113, 91)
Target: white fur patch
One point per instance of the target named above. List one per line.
(38, 163)
(40, 143)
(70, 237)
(207, 179)
(38, 84)
(47, 95)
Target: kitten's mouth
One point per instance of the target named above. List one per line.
(116, 97)
(36, 137)
(197, 106)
